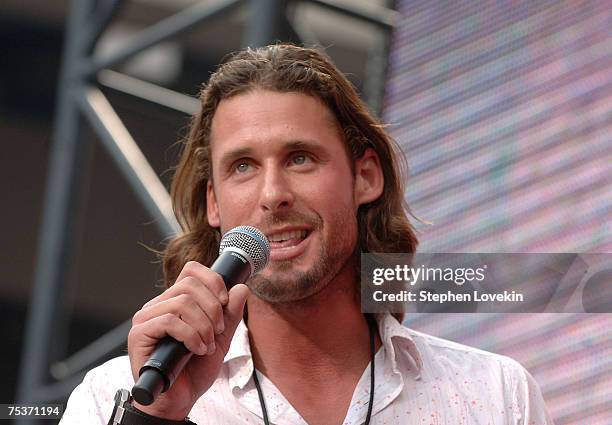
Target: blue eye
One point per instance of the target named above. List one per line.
(300, 159)
(241, 167)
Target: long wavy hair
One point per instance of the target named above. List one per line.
(384, 225)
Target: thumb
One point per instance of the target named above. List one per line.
(235, 306)
(232, 314)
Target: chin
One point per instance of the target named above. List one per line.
(286, 287)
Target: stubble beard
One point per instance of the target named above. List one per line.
(334, 254)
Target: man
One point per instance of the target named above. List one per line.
(283, 143)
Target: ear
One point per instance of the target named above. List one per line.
(212, 208)
(369, 179)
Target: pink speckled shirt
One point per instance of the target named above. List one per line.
(420, 379)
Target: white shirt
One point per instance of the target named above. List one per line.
(419, 379)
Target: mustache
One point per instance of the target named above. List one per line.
(293, 218)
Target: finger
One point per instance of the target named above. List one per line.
(187, 309)
(187, 285)
(151, 302)
(211, 306)
(195, 275)
(213, 280)
(233, 312)
(201, 294)
(168, 324)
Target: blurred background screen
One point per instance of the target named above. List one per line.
(504, 111)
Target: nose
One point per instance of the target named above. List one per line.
(276, 193)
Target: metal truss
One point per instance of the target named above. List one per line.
(44, 375)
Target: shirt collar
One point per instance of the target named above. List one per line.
(397, 340)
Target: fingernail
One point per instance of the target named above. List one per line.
(220, 328)
(203, 349)
(211, 348)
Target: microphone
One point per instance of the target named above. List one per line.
(243, 251)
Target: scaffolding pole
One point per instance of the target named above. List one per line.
(45, 375)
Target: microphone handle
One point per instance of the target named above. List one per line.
(170, 356)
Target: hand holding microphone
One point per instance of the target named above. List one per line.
(197, 315)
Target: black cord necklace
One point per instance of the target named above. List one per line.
(372, 328)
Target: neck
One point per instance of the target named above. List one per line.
(320, 337)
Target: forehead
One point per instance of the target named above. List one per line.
(262, 117)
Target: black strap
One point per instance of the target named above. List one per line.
(262, 402)
(144, 419)
(133, 416)
(372, 327)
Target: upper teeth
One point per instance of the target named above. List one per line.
(287, 235)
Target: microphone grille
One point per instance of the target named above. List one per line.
(250, 240)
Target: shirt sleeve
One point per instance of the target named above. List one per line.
(92, 401)
(527, 402)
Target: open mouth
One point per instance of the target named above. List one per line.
(287, 239)
(287, 244)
